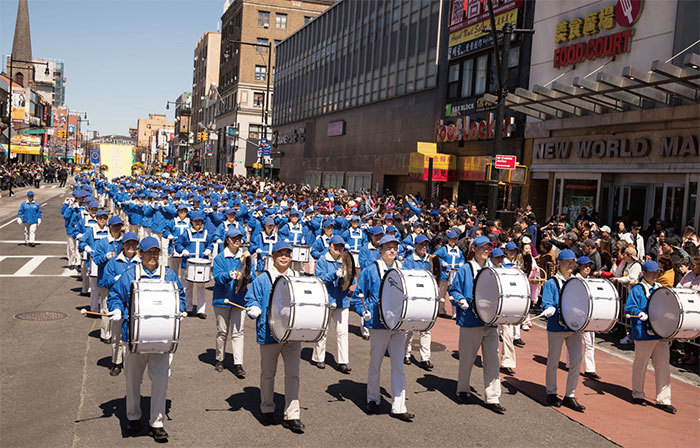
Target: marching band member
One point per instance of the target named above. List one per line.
(585, 267)
(370, 251)
(29, 215)
(105, 249)
(473, 333)
(221, 231)
(647, 345)
(451, 259)
(506, 331)
(512, 260)
(365, 302)
(258, 300)
(174, 230)
(331, 270)
(114, 268)
(264, 242)
(67, 210)
(82, 220)
(409, 243)
(354, 236)
(557, 334)
(320, 246)
(229, 319)
(87, 244)
(158, 363)
(419, 258)
(293, 231)
(195, 243)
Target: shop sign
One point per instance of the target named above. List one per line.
(472, 168)
(426, 147)
(469, 12)
(673, 146)
(291, 136)
(465, 129)
(624, 13)
(336, 128)
(504, 162)
(444, 166)
(466, 107)
(474, 38)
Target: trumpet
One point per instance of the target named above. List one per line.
(104, 168)
(137, 169)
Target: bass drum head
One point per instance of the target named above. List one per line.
(575, 303)
(487, 293)
(391, 299)
(664, 312)
(280, 308)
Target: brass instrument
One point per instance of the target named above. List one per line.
(348, 270)
(137, 169)
(156, 171)
(104, 168)
(537, 281)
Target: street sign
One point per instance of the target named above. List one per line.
(34, 131)
(263, 141)
(267, 149)
(504, 162)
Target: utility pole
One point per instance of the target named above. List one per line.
(502, 71)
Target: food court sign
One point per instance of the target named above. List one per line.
(582, 39)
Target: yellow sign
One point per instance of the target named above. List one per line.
(21, 149)
(427, 148)
(118, 159)
(477, 30)
(472, 167)
(419, 164)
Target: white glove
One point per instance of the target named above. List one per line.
(19, 221)
(207, 253)
(339, 272)
(109, 255)
(116, 277)
(258, 251)
(549, 312)
(115, 315)
(254, 312)
(232, 274)
(409, 247)
(347, 246)
(185, 253)
(88, 249)
(643, 316)
(463, 304)
(444, 264)
(38, 222)
(78, 236)
(366, 316)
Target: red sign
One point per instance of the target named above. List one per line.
(505, 162)
(628, 11)
(465, 129)
(600, 47)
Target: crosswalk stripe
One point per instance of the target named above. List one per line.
(29, 266)
(30, 256)
(38, 242)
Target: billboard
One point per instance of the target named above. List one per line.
(118, 159)
(19, 104)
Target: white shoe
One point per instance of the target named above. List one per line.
(626, 340)
(525, 327)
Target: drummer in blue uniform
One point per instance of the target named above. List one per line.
(451, 259)
(257, 299)
(646, 344)
(320, 246)
(195, 242)
(263, 242)
(419, 258)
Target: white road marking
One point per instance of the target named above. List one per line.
(33, 276)
(29, 266)
(8, 223)
(44, 203)
(37, 242)
(30, 256)
(54, 186)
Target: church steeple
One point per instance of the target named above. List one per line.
(22, 43)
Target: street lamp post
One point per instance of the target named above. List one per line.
(265, 109)
(9, 114)
(68, 112)
(189, 125)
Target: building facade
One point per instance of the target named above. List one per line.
(52, 86)
(245, 70)
(205, 77)
(179, 153)
(146, 126)
(619, 121)
(354, 89)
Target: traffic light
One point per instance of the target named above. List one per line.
(230, 131)
(61, 133)
(257, 166)
(199, 136)
(205, 136)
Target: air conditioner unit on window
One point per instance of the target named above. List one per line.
(266, 25)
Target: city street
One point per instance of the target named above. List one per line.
(56, 390)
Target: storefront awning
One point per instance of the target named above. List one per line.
(664, 83)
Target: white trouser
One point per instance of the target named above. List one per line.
(175, 264)
(195, 288)
(444, 293)
(516, 333)
(85, 268)
(291, 355)
(158, 372)
(574, 345)
(659, 353)
(229, 320)
(364, 331)
(508, 352)
(105, 324)
(588, 352)
(94, 294)
(117, 344)
(470, 339)
(339, 317)
(29, 233)
(394, 341)
(424, 344)
(71, 254)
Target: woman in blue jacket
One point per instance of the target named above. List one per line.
(229, 319)
(29, 214)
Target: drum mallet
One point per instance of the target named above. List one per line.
(85, 312)
(361, 296)
(628, 316)
(452, 299)
(539, 315)
(228, 302)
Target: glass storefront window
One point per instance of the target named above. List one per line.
(467, 73)
(481, 74)
(578, 193)
(692, 203)
(673, 209)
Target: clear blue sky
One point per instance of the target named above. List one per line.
(123, 58)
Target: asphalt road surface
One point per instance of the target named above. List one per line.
(55, 389)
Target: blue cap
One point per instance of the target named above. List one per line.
(280, 245)
(30, 193)
(566, 254)
(480, 241)
(388, 239)
(451, 235)
(435, 213)
(354, 218)
(198, 214)
(129, 236)
(497, 252)
(93, 204)
(182, 206)
(421, 239)
(390, 229)
(417, 223)
(148, 243)
(388, 216)
(376, 230)
(511, 246)
(337, 208)
(336, 239)
(114, 220)
(583, 260)
(269, 221)
(102, 213)
(328, 222)
(233, 232)
(650, 266)
(294, 212)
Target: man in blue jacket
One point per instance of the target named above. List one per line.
(29, 214)
(558, 334)
(419, 259)
(229, 318)
(473, 333)
(257, 299)
(365, 302)
(331, 270)
(647, 345)
(135, 363)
